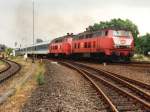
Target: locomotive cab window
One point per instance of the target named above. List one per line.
(88, 35)
(121, 33)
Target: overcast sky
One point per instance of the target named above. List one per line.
(54, 18)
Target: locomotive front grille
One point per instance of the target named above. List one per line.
(122, 47)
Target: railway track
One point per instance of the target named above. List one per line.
(133, 64)
(6, 67)
(141, 85)
(118, 94)
(12, 68)
(119, 80)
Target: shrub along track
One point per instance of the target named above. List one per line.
(12, 69)
(119, 94)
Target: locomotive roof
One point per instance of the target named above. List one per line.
(88, 32)
(62, 37)
(37, 44)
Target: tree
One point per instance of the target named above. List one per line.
(143, 45)
(117, 24)
(8, 51)
(38, 40)
(2, 48)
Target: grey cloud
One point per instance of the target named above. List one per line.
(57, 17)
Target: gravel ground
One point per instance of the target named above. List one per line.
(64, 90)
(137, 73)
(17, 100)
(12, 80)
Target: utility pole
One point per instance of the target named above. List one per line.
(33, 32)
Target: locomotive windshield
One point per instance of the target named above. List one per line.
(121, 33)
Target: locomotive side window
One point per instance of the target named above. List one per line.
(94, 44)
(75, 45)
(89, 45)
(81, 36)
(56, 47)
(96, 34)
(85, 45)
(78, 45)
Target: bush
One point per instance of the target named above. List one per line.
(40, 79)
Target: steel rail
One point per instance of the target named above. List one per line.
(112, 107)
(145, 104)
(7, 66)
(141, 93)
(10, 71)
(135, 82)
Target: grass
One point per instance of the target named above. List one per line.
(1, 63)
(23, 93)
(40, 79)
(140, 57)
(40, 74)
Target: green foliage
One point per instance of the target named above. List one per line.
(143, 44)
(8, 51)
(117, 24)
(40, 79)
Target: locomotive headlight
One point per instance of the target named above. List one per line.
(116, 46)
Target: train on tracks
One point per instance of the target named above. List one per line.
(106, 44)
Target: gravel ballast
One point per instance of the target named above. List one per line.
(64, 90)
(137, 73)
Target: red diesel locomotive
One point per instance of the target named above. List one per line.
(104, 44)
